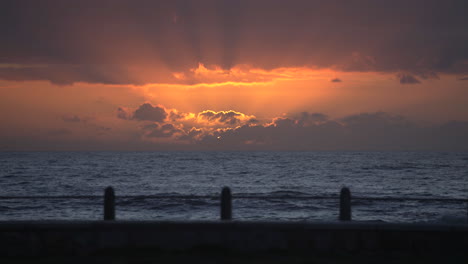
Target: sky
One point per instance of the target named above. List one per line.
(300, 75)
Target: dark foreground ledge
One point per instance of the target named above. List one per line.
(110, 238)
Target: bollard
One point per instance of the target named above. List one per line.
(109, 204)
(226, 204)
(345, 204)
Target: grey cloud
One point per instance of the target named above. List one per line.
(361, 132)
(373, 120)
(163, 131)
(192, 136)
(284, 122)
(408, 79)
(463, 79)
(336, 80)
(67, 74)
(368, 131)
(307, 119)
(150, 126)
(147, 112)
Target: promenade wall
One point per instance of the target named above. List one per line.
(46, 238)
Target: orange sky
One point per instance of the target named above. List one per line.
(84, 112)
(228, 75)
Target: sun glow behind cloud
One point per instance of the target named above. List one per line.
(241, 75)
(85, 116)
(242, 88)
(230, 72)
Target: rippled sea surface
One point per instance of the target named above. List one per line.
(292, 186)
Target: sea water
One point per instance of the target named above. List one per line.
(266, 186)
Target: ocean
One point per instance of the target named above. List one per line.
(266, 186)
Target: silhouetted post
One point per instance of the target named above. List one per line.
(226, 204)
(345, 204)
(109, 204)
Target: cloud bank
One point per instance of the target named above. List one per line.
(408, 79)
(230, 130)
(138, 42)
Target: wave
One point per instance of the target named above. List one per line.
(408, 166)
(274, 194)
(4, 208)
(394, 167)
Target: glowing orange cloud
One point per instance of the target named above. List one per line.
(243, 87)
(223, 118)
(240, 75)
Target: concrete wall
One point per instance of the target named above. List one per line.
(39, 238)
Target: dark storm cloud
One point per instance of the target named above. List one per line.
(72, 38)
(147, 112)
(65, 74)
(373, 120)
(408, 79)
(367, 131)
(164, 131)
(302, 131)
(306, 119)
